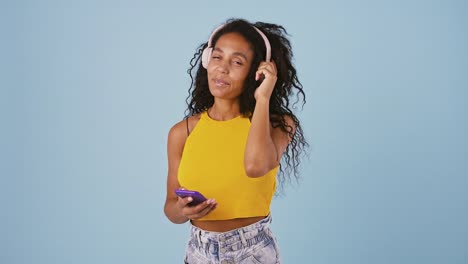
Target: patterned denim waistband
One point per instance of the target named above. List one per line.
(249, 235)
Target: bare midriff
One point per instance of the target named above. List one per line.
(225, 225)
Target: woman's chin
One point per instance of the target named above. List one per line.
(219, 91)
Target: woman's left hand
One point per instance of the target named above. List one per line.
(268, 71)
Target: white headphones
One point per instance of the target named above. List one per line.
(206, 55)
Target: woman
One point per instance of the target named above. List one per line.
(229, 147)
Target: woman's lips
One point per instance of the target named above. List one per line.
(220, 83)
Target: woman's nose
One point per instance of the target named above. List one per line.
(222, 67)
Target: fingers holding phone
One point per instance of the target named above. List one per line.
(200, 210)
(193, 204)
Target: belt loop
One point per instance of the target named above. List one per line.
(268, 221)
(241, 234)
(198, 233)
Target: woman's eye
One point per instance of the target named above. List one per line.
(238, 62)
(216, 57)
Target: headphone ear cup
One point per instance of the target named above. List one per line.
(206, 55)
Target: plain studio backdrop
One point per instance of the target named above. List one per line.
(90, 89)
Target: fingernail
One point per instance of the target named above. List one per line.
(190, 199)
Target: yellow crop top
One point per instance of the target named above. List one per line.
(213, 164)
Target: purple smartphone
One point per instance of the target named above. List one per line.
(196, 196)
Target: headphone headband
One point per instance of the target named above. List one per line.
(206, 55)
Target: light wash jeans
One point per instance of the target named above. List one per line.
(252, 244)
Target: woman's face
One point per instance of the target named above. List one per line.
(229, 66)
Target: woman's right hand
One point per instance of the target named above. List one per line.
(195, 212)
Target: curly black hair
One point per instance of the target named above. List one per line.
(287, 85)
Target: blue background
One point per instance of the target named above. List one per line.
(89, 90)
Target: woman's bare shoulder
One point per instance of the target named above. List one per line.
(192, 122)
(288, 129)
(182, 129)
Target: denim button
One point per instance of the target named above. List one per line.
(222, 239)
(223, 250)
(225, 262)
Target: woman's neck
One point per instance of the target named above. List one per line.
(224, 111)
